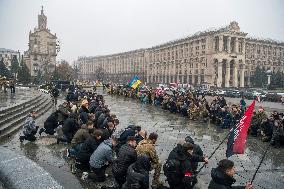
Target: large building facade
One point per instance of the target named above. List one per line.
(224, 57)
(41, 55)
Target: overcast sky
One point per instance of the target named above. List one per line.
(99, 27)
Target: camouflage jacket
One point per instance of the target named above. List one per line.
(261, 117)
(147, 147)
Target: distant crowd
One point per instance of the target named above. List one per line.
(197, 107)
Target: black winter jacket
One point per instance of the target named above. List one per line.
(83, 114)
(87, 149)
(106, 134)
(55, 92)
(138, 174)
(101, 120)
(97, 115)
(221, 180)
(51, 122)
(70, 126)
(129, 131)
(196, 151)
(184, 163)
(125, 157)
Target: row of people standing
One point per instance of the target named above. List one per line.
(7, 83)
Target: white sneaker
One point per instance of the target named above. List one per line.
(84, 175)
(73, 168)
(67, 153)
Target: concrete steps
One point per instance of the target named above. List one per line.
(14, 113)
(12, 119)
(17, 107)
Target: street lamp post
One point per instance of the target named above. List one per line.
(57, 47)
(268, 73)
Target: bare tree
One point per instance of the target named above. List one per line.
(99, 74)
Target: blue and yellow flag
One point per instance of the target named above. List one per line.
(135, 82)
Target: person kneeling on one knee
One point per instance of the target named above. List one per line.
(29, 128)
(101, 158)
(80, 136)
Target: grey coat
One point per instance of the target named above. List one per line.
(102, 155)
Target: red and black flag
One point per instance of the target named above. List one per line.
(238, 134)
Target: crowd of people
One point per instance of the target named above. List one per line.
(197, 107)
(97, 144)
(6, 83)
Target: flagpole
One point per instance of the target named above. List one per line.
(215, 151)
(231, 130)
(259, 164)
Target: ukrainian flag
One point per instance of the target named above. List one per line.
(135, 82)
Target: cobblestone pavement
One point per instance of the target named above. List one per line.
(171, 128)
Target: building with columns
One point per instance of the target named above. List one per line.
(41, 55)
(224, 57)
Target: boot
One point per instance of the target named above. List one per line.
(157, 184)
(41, 131)
(22, 138)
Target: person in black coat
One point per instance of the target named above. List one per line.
(84, 112)
(93, 106)
(70, 96)
(107, 132)
(131, 130)
(222, 176)
(181, 173)
(125, 157)
(50, 124)
(97, 115)
(141, 136)
(138, 174)
(223, 102)
(55, 94)
(196, 151)
(103, 116)
(88, 147)
(69, 129)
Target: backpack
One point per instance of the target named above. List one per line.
(170, 167)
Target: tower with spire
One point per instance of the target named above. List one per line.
(41, 55)
(42, 20)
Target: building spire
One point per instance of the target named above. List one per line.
(42, 20)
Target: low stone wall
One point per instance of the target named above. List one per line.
(19, 172)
